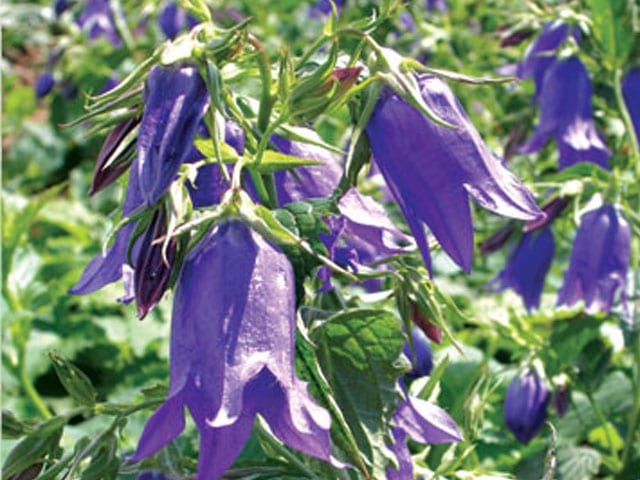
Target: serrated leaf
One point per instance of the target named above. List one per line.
(359, 351)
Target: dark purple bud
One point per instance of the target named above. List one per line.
(553, 209)
(432, 170)
(97, 20)
(525, 406)
(116, 155)
(560, 400)
(599, 262)
(172, 20)
(175, 99)
(512, 38)
(496, 241)
(44, 84)
(154, 264)
(60, 6)
(420, 356)
(527, 267)
(421, 321)
(152, 475)
(566, 113)
(631, 93)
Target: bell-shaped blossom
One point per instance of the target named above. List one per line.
(175, 100)
(566, 113)
(173, 20)
(232, 354)
(97, 20)
(527, 266)
(44, 84)
(599, 261)
(423, 422)
(541, 55)
(420, 355)
(432, 170)
(525, 406)
(631, 94)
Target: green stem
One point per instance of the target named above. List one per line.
(266, 101)
(30, 390)
(605, 424)
(626, 117)
(635, 412)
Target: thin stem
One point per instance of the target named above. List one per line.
(605, 424)
(266, 102)
(626, 117)
(30, 390)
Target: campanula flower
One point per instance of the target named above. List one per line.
(566, 113)
(432, 170)
(232, 354)
(527, 266)
(97, 20)
(436, 5)
(420, 356)
(60, 6)
(44, 84)
(173, 20)
(541, 55)
(525, 406)
(175, 100)
(322, 8)
(423, 422)
(631, 93)
(599, 261)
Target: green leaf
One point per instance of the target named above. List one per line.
(612, 25)
(273, 161)
(578, 463)
(74, 380)
(41, 442)
(12, 427)
(568, 338)
(359, 351)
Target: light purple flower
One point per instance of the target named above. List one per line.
(423, 422)
(525, 406)
(527, 267)
(431, 170)
(175, 100)
(631, 93)
(599, 262)
(232, 354)
(565, 113)
(97, 20)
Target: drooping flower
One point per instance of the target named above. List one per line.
(420, 356)
(541, 54)
(232, 354)
(173, 20)
(175, 100)
(97, 20)
(527, 266)
(423, 422)
(566, 113)
(631, 93)
(599, 261)
(432, 170)
(44, 84)
(525, 406)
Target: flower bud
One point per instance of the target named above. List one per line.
(421, 321)
(420, 355)
(525, 406)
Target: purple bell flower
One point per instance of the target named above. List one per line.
(527, 267)
(173, 20)
(599, 262)
(97, 20)
(541, 55)
(175, 100)
(232, 354)
(525, 406)
(565, 113)
(322, 8)
(423, 422)
(631, 93)
(44, 84)
(421, 357)
(440, 5)
(432, 170)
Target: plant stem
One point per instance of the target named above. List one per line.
(626, 117)
(635, 412)
(30, 390)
